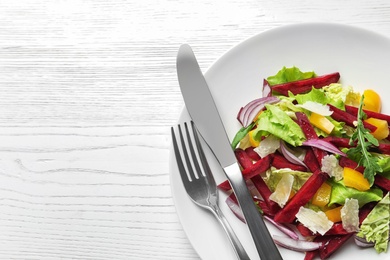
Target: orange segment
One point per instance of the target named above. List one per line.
(322, 196)
(252, 141)
(321, 122)
(355, 179)
(372, 101)
(334, 215)
(382, 127)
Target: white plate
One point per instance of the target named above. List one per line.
(363, 60)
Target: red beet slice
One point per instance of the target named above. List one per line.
(305, 85)
(347, 118)
(303, 196)
(354, 111)
(330, 244)
(310, 133)
(243, 158)
(280, 162)
(265, 192)
(257, 168)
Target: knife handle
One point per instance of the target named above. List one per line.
(262, 238)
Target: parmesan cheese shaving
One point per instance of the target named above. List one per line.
(350, 215)
(315, 221)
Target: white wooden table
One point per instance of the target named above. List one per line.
(88, 92)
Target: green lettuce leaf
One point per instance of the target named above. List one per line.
(274, 175)
(288, 75)
(275, 121)
(375, 228)
(340, 192)
(337, 94)
(318, 96)
(383, 161)
(315, 95)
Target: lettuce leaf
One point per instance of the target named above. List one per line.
(340, 192)
(315, 95)
(383, 161)
(275, 121)
(288, 75)
(339, 95)
(375, 228)
(275, 175)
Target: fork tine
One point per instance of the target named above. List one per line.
(177, 152)
(192, 150)
(191, 173)
(202, 157)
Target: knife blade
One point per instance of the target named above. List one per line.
(203, 111)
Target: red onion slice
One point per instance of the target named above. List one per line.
(285, 229)
(247, 114)
(233, 206)
(296, 245)
(267, 91)
(362, 242)
(289, 155)
(324, 145)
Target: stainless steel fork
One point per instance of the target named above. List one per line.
(200, 185)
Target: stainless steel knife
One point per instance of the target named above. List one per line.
(203, 111)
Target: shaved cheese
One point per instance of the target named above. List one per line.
(315, 221)
(350, 215)
(268, 146)
(317, 108)
(331, 166)
(283, 190)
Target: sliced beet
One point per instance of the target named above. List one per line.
(310, 133)
(338, 141)
(243, 158)
(279, 162)
(303, 196)
(305, 85)
(265, 193)
(255, 169)
(347, 118)
(252, 154)
(382, 182)
(330, 244)
(311, 161)
(354, 111)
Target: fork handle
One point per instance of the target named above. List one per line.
(238, 248)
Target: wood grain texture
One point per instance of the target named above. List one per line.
(88, 92)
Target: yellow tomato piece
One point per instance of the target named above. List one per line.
(382, 127)
(322, 196)
(355, 179)
(321, 122)
(372, 101)
(252, 141)
(334, 215)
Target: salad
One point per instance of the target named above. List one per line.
(316, 158)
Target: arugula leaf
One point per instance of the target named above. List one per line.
(241, 134)
(360, 153)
